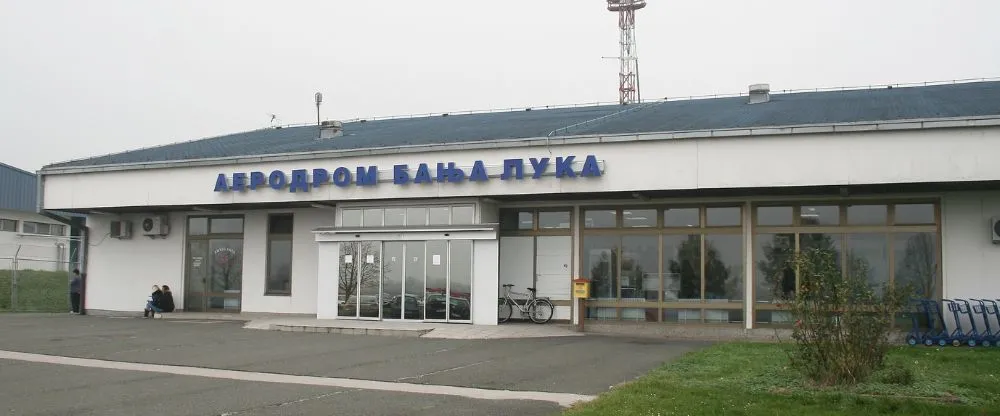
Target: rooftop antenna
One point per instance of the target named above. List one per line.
(319, 100)
(628, 74)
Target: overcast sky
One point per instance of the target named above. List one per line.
(85, 78)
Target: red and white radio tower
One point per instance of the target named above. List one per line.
(628, 88)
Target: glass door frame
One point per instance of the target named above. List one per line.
(206, 294)
(356, 257)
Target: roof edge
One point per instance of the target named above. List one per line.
(847, 127)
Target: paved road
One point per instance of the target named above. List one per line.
(581, 365)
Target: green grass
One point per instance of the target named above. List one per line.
(754, 379)
(37, 291)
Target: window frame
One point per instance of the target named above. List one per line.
(12, 229)
(271, 238)
(703, 231)
(841, 233)
(48, 227)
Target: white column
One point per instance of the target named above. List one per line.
(485, 281)
(326, 280)
(748, 303)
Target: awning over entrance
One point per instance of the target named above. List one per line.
(424, 233)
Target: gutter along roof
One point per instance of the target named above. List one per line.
(961, 103)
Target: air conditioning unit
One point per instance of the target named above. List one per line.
(121, 230)
(155, 226)
(995, 228)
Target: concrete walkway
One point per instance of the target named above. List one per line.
(414, 329)
(304, 323)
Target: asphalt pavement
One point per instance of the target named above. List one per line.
(582, 365)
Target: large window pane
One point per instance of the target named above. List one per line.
(600, 256)
(438, 216)
(867, 214)
(639, 218)
(640, 268)
(724, 267)
(463, 214)
(279, 267)
(395, 217)
(915, 255)
(722, 216)
(914, 214)
(681, 217)
(682, 267)
(373, 217)
(513, 219)
(460, 294)
(819, 215)
(416, 216)
(774, 216)
(197, 226)
(280, 223)
(549, 220)
(350, 218)
(775, 278)
(226, 226)
(871, 251)
(435, 299)
(600, 218)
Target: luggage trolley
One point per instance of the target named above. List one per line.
(959, 336)
(986, 308)
(937, 332)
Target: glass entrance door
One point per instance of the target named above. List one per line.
(360, 279)
(413, 280)
(215, 275)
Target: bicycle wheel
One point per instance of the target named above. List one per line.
(504, 310)
(541, 311)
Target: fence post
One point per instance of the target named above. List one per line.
(13, 285)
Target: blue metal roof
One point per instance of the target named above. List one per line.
(825, 107)
(18, 189)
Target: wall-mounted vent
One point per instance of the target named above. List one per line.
(121, 230)
(760, 93)
(330, 129)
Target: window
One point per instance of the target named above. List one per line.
(549, 220)
(279, 254)
(226, 226)
(8, 225)
(350, 218)
(463, 214)
(600, 218)
(687, 268)
(409, 217)
(39, 228)
(897, 244)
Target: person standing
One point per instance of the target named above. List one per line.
(75, 289)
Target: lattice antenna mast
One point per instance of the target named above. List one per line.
(628, 74)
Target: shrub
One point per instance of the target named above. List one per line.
(895, 374)
(842, 323)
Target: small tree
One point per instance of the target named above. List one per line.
(843, 323)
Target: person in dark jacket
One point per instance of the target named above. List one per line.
(166, 300)
(152, 302)
(75, 291)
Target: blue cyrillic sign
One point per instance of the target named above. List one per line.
(304, 180)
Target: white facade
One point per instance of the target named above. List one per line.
(33, 248)
(121, 271)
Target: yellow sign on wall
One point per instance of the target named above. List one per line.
(581, 288)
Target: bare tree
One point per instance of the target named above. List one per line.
(369, 271)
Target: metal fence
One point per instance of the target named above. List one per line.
(34, 284)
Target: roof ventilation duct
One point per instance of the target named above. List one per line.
(330, 129)
(760, 93)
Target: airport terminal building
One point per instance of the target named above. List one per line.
(679, 211)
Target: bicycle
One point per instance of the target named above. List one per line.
(539, 310)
